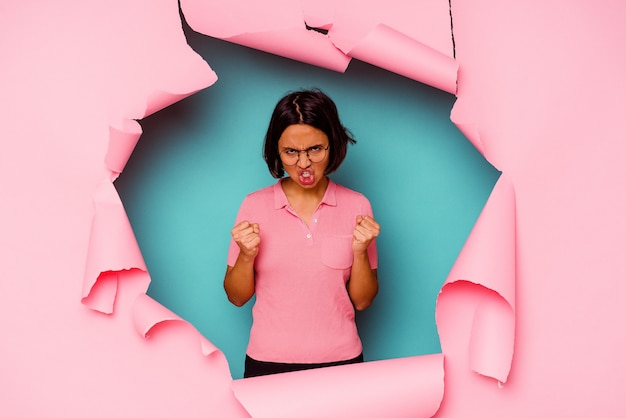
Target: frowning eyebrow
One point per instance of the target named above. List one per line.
(305, 149)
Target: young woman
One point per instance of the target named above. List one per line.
(305, 245)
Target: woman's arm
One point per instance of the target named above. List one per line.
(239, 279)
(363, 284)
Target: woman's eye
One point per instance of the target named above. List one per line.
(315, 149)
(290, 151)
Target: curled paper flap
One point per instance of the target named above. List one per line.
(299, 44)
(148, 313)
(278, 28)
(394, 51)
(121, 145)
(292, 30)
(469, 129)
(122, 141)
(101, 297)
(488, 256)
(492, 338)
(403, 387)
(112, 248)
(428, 22)
(488, 260)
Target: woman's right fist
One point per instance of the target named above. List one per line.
(247, 237)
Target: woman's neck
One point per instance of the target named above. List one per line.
(304, 201)
(292, 189)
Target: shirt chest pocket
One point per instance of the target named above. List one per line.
(337, 251)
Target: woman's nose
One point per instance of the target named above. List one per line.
(303, 159)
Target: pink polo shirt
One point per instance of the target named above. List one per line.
(303, 313)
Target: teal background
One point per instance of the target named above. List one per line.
(197, 159)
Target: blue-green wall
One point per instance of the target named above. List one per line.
(197, 159)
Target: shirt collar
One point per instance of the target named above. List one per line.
(280, 199)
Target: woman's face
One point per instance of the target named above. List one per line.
(293, 143)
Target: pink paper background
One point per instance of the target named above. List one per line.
(531, 316)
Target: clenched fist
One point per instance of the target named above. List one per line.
(247, 237)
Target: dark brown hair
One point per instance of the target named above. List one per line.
(310, 107)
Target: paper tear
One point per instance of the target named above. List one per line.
(300, 44)
(323, 31)
(148, 313)
(380, 41)
(394, 51)
(452, 30)
(276, 28)
(101, 296)
(121, 145)
(462, 116)
(492, 338)
(112, 248)
(319, 14)
(488, 257)
(404, 387)
(488, 260)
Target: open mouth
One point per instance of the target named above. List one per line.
(306, 177)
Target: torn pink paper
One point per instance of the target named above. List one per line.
(488, 260)
(544, 78)
(299, 44)
(148, 313)
(319, 14)
(282, 31)
(492, 343)
(276, 27)
(112, 248)
(417, 45)
(382, 46)
(489, 252)
(469, 129)
(70, 70)
(121, 145)
(394, 51)
(404, 387)
(425, 21)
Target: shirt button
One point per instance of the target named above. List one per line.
(309, 236)
(315, 220)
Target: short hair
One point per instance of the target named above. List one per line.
(310, 107)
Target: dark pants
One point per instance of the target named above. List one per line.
(260, 368)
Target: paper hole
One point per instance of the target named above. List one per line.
(198, 158)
